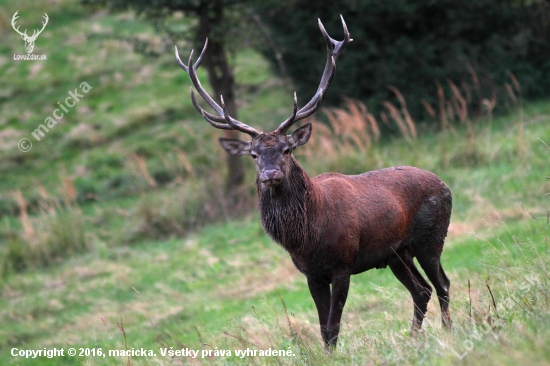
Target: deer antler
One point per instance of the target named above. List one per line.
(13, 19)
(37, 33)
(223, 120)
(334, 49)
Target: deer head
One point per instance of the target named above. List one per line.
(29, 40)
(271, 151)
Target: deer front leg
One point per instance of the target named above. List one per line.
(320, 291)
(340, 287)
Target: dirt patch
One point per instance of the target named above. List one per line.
(493, 218)
(460, 228)
(264, 281)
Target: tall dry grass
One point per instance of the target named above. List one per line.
(401, 117)
(56, 232)
(514, 93)
(346, 142)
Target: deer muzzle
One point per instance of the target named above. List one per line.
(271, 177)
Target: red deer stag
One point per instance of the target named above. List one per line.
(334, 226)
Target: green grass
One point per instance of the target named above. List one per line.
(226, 283)
(150, 241)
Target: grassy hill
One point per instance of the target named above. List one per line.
(116, 233)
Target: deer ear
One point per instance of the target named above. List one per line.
(235, 147)
(300, 136)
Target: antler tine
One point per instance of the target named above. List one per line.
(44, 23)
(223, 121)
(227, 122)
(197, 63)
(237, 125)
(192, 71)
(178, 59)
(295, 110)
(210, 118)
(334, 49)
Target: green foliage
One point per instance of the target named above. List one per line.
(177, 212)
(412, 44)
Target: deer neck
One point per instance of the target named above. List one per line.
(284, 209)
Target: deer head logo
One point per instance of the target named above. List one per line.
(29, 40)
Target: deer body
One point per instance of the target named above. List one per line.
(334, 226)
(353, 223)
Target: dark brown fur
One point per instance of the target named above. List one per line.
(335, 225)
(353, 223)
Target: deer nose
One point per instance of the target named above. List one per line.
(271, 177)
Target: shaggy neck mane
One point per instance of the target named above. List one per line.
(284, 209)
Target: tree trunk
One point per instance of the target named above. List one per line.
(221, 79)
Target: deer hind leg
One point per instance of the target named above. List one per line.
(340, 287)
(433, 269)
(402, 266)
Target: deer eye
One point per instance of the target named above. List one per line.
(254, 155)
(286, 151)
